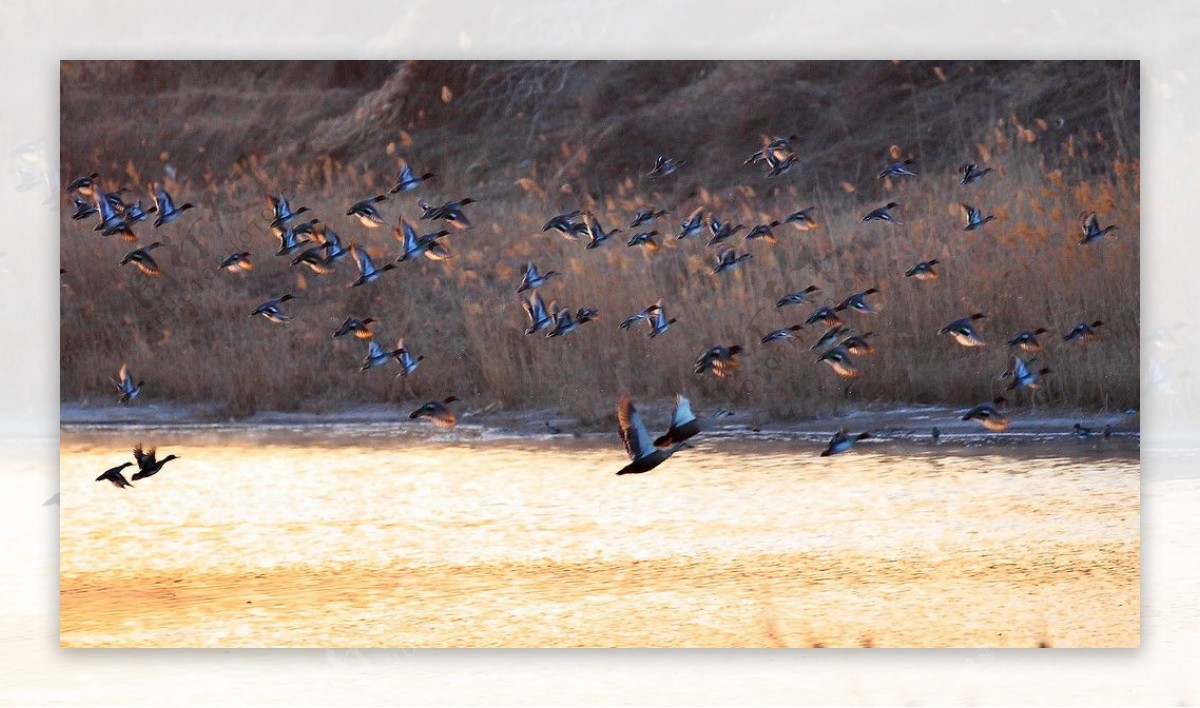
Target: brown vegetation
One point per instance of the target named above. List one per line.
(533, 139)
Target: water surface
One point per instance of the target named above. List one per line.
(355, 536)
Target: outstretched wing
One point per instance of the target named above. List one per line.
(633, 432)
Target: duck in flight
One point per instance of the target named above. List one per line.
(367, 213)
(114, 475)
(437, 411)
(237, 262)
(539, 317)
(1027, 341)
(797, 297)
(281, 211)
(165, 207)
(143, 260)
(975, 218)
(989, 415)
(127, 389)
(406, 181)
(841, 442)
(726, 259)
(1083, 332)
(644, 216)
(361, 329)
(1091, 228)
(964, 332)
(664, 166)
(270, 309)
(883, 213)
(148, 466)
(367, 272)
(923, 270)
(644, 239)
(643, 454)
(972, 173)
(532, 279)
(720, 360)
(897, 169)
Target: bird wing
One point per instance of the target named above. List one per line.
(633, 432)
(683, 412)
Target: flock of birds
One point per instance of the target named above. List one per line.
(316, 246)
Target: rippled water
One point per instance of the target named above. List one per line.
(356, 537)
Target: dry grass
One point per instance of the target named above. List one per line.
(188, 336)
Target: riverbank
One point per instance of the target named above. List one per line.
(893, 422)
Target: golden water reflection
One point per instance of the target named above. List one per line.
(313, 539)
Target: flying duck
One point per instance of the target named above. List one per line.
(596, 231)
(858, 345)
(281, 211)
(85, 185)
(406, 182)
(831, 335)
(989, 415)
(166, 209)
(125, 385)
(726, 260)
(897, 169)
(378, 356)
(289, 240)
(802, 220)
(366, 212)
(643, 455)
(532, 280)
(664, 166)
(781, 334)
(963, 332)
(148, 466)
(408, 363)
(83, 208)
(645, 239)
(450, 211)
(236, 262)
(114, 475)
(764, 232)
(1091, 228)
(437, 411)
(656, 316)
(645, 215)
(778, 149)
(367, 272)
(316, 260)
(721, 230)
(539, 318)
(693, 225)
(839, 360)
(780, 165)
(858, 303)
(414, 245)
(975, 218)
(883, 213)
(565, 324)
(824, 316)
(1083, 332)
(270, 309)
(359, 328)
(841, 442)
(1025, 377)
(720, 360)
(972, 173)
(143, 260)
(923, 270)
(1027, 341)
(797, 297)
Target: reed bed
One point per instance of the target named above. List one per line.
(187, 333)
